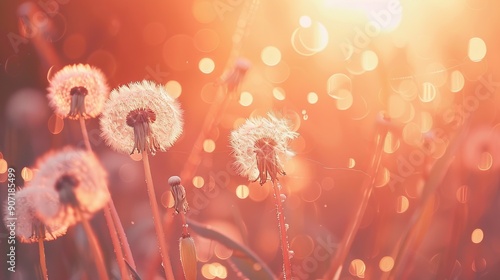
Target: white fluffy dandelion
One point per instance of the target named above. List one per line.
(29, 227)
(141, 116)
(78, 91)
(260, 147)
(78, 181)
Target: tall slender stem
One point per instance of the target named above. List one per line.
(287, 267)
(352, 229)
(113, 221)
(116, 243)
(96, 249)
(43, 264)
(219, 107)
(157, 219)
(85, 134)
(185, 231)
(121, 234)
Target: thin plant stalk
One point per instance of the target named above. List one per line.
(43, 264)
(211, 122)
(116, 243)
(113, 221)
(185, 231)
(352, 229)
(96, 249)
(157, 219)
(219, 107)
(85, 134)
(434, 179)
(121, 235)
(287, 267)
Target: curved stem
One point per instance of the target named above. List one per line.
(96, 249)
(157, 219)
(287, 267)
(352, 229)
(113, 221)
(43, 264)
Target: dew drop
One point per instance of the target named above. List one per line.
(291, 253)
(282, 197)
(287, 226)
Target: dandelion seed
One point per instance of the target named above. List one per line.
(78, 181)
(260, 147)
(29, 228)
(78, 91)
(141, 116)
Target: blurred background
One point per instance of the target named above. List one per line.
(331, 67)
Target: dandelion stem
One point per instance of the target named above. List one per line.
(185, 231)
(113, 221)
(157, 219)
(287, 267)
(43, 264)
(96, 249)
(212, 120)
(352, 229)
(85, 134)
(121, 234)
(116, 243)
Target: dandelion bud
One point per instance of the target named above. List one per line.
(141, 117)
(78, 91)
(260, 146)
(188, 257)
(179, 194)
(235, 76)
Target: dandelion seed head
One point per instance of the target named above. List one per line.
(78, 181)
(29, 227)
(141, 116)
(265, 138)
(78, 91)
